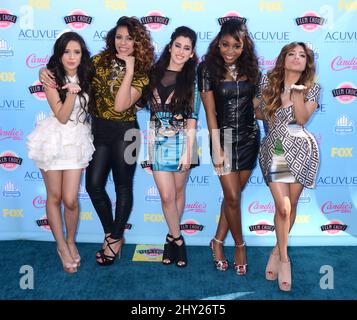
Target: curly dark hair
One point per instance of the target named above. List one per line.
(272, 94)
(183, 96)
(143, 48)
(85, 70)
(247, 63)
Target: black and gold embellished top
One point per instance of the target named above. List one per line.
(106, 83)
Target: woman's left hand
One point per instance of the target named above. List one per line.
(185, 162)
(72, 88)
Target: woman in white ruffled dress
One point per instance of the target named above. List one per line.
(62, 145)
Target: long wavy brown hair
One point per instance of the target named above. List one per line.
(143, 47)
(272, 93)
(247, 63)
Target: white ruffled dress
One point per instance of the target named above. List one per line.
(56, 146)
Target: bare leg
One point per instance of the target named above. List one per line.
(295, 191)
(223, 227)
(53, 183)
(281, 195)
(180, 186)
(165, 183)
(232, 200)
(70, 186)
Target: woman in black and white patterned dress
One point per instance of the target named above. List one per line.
(289, 156)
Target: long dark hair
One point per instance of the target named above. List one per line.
(143, 48)
(247, 63)
(84, 71)
(184, 90)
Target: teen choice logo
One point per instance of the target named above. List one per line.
(78, 19)
(345, 93)
(310, 21)
(37, 90)
(6, 19)
(155, 20)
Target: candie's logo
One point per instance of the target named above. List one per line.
(310, 21)
(198, 207)
(155, 20)
(345, 93)
(262, 227)
(340, 63)
(231, 15)
(334, 227)
(78, 19)
(266, 64)
(11, 134)
(330, 207)
(38, 202)
(33, 61)
(191, 227)
(257, 207)
(9, 160)
(6, 19)
(37, 90)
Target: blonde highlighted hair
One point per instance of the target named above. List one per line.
(143, 47)
(272, 93)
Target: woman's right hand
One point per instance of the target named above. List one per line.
(221, 163)
(47, 78)
(129, 62)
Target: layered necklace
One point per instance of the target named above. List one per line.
(232, 71)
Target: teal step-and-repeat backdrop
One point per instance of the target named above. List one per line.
(326, 215)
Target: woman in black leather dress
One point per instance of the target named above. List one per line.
(227, 80)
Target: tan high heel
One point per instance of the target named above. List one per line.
(221, 265)
(70, 267)
(240, 269)
(272, 268)
(284, 276)
(77, 257)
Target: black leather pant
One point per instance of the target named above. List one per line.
(112, 154)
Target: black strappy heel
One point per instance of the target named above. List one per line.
(99, 253)
(169, 250)
(181, 257)
(109, 260)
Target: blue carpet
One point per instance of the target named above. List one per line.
(128, 280)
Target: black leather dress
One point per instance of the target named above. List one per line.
(239, 132)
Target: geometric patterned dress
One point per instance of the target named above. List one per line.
(300, 147)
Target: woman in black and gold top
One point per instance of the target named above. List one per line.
(120, 75)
